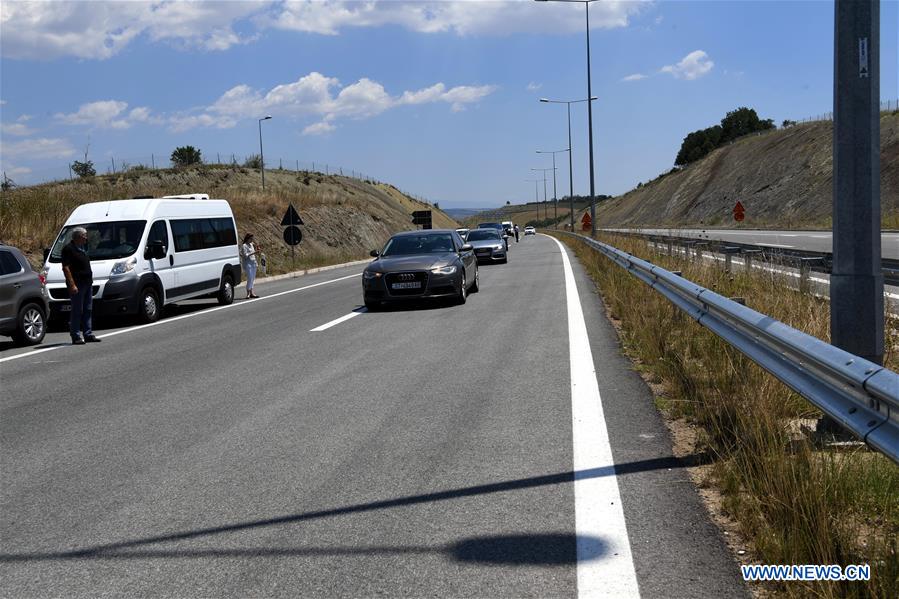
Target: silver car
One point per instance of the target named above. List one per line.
(488, 245)
(23, 299)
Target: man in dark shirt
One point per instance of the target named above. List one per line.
(76, 265)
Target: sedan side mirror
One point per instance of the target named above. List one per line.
(374, 253)
(466, 247)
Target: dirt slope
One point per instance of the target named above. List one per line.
(782, 178)
(344, 218)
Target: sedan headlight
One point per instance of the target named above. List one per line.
(123, 267)
(497, 248)
(444, 270)
(370, 275)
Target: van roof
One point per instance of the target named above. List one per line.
(146, 209)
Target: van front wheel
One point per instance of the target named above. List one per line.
(226, 293)
(149, 308)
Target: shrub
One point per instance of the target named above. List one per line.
(253, 161)
(85, 169)
(186, 156)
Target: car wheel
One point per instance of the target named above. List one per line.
(463, 291)
(31, 325)
(476, 286)
(372, 306)
(148, 309)
(226, 293)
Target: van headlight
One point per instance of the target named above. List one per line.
(123, 267)
(444, 270)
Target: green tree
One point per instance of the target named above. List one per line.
(186, 155)
(84, 169)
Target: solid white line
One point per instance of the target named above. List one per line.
(597, 502)
(337, 321)
(183, 316)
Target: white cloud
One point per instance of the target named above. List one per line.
(635, 77)
(12, 171)
(17, 129)
(103, 114)
(38, 148)
(24, 118)
(319, 128)
(693, 66)
(498, 17)
(100, 29)
(532, 87)
(317, 95)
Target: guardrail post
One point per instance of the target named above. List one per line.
(670, 248)
(805, 267)
(747, 258)
(729, 251)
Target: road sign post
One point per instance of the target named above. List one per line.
(292, 234)
(423, 218)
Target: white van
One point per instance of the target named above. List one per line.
(146, 253)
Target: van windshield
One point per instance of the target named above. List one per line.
(105, 241)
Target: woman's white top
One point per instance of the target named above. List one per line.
(248, 251)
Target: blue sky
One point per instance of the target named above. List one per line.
(439, 98)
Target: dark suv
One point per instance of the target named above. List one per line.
(23, 299)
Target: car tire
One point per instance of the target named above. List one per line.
(148, 308)
(463, 292)
(476, 286)
(372, 306)
(226, 293)
(31, 325)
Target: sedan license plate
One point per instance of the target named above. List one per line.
(412, 285)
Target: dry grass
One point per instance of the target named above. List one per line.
(345, 217)
(795, 503)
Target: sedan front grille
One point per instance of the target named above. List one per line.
(397, 283)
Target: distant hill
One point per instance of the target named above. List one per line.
(461, 214)
(783, 178)
(344, 217)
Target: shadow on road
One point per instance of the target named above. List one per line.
(481, 549)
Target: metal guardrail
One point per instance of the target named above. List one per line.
(823, 261)
(860, 395)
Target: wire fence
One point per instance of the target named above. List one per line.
(111, 165)
(885, 106)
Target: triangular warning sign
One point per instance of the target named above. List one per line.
(291, 218)
(739, 207)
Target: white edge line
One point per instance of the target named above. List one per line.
(183, 316)
(337, 321)
(598, 512)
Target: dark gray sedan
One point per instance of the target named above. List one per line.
(488, 245)
(420, 264)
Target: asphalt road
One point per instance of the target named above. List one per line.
(813, 241)
(431, 451)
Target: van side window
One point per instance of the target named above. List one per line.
(159, 232)
(203, 233)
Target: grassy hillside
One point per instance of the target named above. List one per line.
(344, 217)
(783, 178)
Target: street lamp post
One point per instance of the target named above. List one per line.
(555, 194)
(536, 194)
(568, 103)
(261, 159)
(545, 207)
(586, 4)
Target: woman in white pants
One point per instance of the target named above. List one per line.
(248, 251)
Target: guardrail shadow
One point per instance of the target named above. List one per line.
(518, 548)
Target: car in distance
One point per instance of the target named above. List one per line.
(463, 233)
(488, 245)
(529, 230)
(24, 303)
(420, 264)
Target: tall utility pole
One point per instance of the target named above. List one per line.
(261, 159)
(545, 207)
(555, 193)
(586, 4)
(856, 282)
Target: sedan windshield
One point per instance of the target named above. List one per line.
(105, 241)
(407, 245)
(482, 234)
